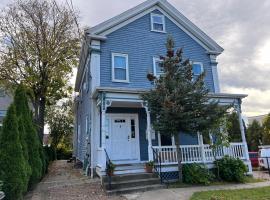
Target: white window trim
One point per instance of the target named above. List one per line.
(155, 60)
(198, 63)
(163, 20)
(127, 68)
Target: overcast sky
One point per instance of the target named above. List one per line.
(241, 27)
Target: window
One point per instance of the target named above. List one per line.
(157, 66)
(157, 22)
(120, 67)
(86, 125)
(197, 68)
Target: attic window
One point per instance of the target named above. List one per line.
(157, 22)
(197, 68)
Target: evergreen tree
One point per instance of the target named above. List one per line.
(179, 102)
(31, 136)
(254, 135)
(12, 161)
(266, 131)
(233, 127)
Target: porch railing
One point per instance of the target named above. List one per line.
(198, 153)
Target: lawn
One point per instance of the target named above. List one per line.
(246, 194)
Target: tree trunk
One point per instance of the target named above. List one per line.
(179, 157)
(39, 115)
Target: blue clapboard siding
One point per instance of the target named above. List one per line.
(141, 45)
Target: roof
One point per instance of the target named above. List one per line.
(164, 6)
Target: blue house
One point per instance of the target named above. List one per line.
(112, 122)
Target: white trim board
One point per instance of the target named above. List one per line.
(165, 8)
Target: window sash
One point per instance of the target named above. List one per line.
(120, 66)
(156, 70)
(155, 21)
(195, 73)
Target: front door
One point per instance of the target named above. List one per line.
(124, 138)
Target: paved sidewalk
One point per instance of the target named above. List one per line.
(186, 193)
(64, 182)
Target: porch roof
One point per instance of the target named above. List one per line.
(141, 91)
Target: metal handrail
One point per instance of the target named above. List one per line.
(108, 163)
(158, 167)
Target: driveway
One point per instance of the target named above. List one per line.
(64, 182)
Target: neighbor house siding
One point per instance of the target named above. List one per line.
(141, 45)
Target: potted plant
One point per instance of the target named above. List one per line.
(149, 166)
(110, 168)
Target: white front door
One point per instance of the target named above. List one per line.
(124, 138)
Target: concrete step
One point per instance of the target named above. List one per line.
(135, 189)
(127, 177)
(132, 183)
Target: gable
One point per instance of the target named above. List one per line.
(167, 10)
(142, 45)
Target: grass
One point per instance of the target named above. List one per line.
(248, 179)
(246, 194)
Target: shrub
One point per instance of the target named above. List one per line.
(63, 153)
(31, 137)
(231, 169)
(197, 174)
(50, 153)
(12, 163)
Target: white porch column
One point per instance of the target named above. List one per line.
(148, 131)
(103, 131)
(200, 137)
(239, 111)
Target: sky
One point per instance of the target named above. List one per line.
(241, 27)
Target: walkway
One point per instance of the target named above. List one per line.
(63, 182)
(186, 193)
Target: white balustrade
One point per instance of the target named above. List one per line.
(193, 153)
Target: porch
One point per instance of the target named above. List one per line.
(130, 141)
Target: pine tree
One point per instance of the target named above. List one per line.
(233, 127)
(266, 131)
(179, 102)
(31, 136)
(12, 161)
(254, 135)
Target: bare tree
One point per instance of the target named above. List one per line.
(40, 42)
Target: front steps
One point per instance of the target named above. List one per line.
(129, 183)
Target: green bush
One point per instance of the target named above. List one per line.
(197, 174)
(12, 162)
(63, 153)
(50, 153)
(231, 169)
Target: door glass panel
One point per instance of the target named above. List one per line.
(132, 123)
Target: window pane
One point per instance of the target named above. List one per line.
(120, 74)
(158, 27)
(157, 19)
(197, 69)
(120, 62)
(159, 69)
(166, 140)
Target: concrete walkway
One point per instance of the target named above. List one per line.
(186, 193)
